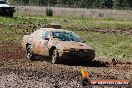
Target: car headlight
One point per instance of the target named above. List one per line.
(58, 46)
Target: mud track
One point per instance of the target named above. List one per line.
(18, 72)
(113, 31)
(31, 26)
(10, 50)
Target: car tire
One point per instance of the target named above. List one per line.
(29, 53)
(55, 57)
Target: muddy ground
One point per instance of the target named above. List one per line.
(18, 72)
(35, 26)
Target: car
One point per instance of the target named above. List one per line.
(58, 44)
(5, 9)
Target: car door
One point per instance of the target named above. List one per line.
(43, 43)
(36, 42)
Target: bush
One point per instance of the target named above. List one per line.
(49, 12)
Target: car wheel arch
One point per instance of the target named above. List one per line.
(27, 44)
(51, 50)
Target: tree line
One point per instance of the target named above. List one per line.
(111, 4)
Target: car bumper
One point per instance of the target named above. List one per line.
(90, 55)
(7, 9)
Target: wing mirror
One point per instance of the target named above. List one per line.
(47, 39)
(84, 41)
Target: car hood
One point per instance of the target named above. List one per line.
(4, 5)
(72, 44)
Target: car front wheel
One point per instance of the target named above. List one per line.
(55, 57)
(29, 53)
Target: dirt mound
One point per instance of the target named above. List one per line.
(10, 50)
(50, 75)
(114, 31)
(32, 26)
(21, 72)
(16, 71)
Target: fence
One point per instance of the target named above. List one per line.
(75, 12)
(120, 9)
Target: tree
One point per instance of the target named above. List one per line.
(119, 4)
(115, 4)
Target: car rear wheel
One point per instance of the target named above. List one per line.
(29, 53)
(55, 57)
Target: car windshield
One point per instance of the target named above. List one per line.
(66, 36)
(2, 1)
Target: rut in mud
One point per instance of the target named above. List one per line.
(32, 26)
(18, 72)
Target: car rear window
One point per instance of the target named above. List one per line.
(2, 2)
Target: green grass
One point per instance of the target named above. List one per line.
(104, 23)
(8, 34)
(109, 45)
(106, 45)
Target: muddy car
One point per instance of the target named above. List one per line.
(58, 44)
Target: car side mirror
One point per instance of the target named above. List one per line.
(84, 41)
(47, 39)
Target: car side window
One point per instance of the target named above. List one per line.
(45, 34)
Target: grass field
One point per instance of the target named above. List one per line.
(104, 23)
(75, 12)
(106, 44)
(109, 45)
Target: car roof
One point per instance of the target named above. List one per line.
(53, 29)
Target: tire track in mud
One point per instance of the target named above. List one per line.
(15, 67)
(58, 76)
(35, 26)
(55, 76)
(113, 31)
(11, 50)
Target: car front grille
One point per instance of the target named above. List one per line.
(75, 52)
(7, 8)
(79, 50)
